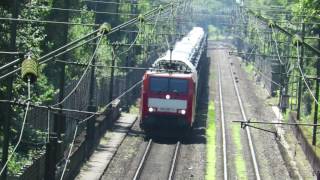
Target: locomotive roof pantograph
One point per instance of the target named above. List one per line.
(185, 55)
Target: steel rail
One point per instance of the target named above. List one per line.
(252, 151)
(143, 160)
(174, 161)
(224, 144)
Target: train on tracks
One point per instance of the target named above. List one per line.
(170, 87)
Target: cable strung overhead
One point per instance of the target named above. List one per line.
(30, 69)
(72, 45)
(81, 10)
(281, 29)
(29, 75)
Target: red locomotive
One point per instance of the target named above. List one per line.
(169, 89)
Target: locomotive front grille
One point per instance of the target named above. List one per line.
(167, 105)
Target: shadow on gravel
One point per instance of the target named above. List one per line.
(198, 135)
(136, 133)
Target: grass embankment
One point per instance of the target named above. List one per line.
(240, 163)
(249, 68)
(308, 133)
(215, 34)
(211, 143)
(306, 130)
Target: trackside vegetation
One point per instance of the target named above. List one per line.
(211, 143)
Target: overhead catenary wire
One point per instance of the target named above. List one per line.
(113, 30)
(22, 128)
(10, 64)
(72, 144)
(57, 52)
(87, 68)
(155, 24)
(50, 58)
(277, 50)
(276, 43)
(110, 103)
(287, 65)
(303, 76)
(260, 38)
(81, 10)
(83, 121)
(283, 30)
(54, 52)
(70, 110)
(83, 74)
(266, 77)
(45, 21)
(73, 10)
(133, 42)
(70, 151)
(10, 52)
(51, 108)
(111, 2)
(106, 66)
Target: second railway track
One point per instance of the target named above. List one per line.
(168, 154)
(227, 167)
(244, 116)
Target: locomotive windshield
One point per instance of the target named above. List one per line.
(163, 84)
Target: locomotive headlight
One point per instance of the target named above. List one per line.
(167, 96)
(151, 109)
(183, 112)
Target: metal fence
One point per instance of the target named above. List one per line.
(79, 100)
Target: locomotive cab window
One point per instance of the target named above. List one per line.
(163, 84)
(178, 85)
(159, 84)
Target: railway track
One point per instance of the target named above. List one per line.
(227, 174)
(248, 133)
(146, 156)
(223, 129)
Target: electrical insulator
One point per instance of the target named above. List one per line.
(161, 8)
(297, 40)
(258, 14)
(270, 24)
(105, 28)
(141, 18)
(29, 69)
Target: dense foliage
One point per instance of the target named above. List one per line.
(40, 38)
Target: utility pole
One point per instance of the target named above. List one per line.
(92, 100)
(130, 55)
(112, 74)
(54, 148)
(51, 160)
(280, 73)
(6, 107)
(300, 78)
(60, 119)
(315, 116)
